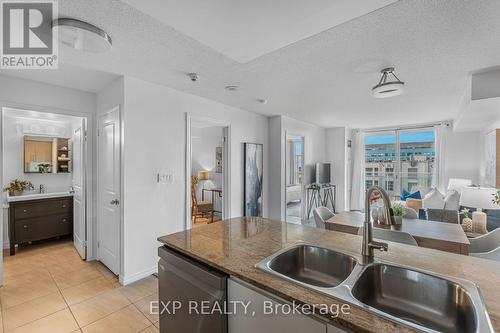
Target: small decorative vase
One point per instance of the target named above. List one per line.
(467, 224)
(479, 224)
(398, 220)
(15, 193)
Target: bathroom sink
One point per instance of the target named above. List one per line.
(426, 300)
(37, 196)
(310, 265)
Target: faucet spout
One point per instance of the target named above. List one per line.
(368, 243)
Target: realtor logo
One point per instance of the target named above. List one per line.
(27, 37)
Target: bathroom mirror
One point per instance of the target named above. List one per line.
(45, 154)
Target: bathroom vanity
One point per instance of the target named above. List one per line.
(39, 216)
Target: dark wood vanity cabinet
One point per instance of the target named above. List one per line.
(33, 220)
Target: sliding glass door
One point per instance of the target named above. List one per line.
(400, 160)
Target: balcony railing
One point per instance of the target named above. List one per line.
(407, 180)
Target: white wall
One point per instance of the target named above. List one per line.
(154, 129)
(493, 126)
(463, 155)
(204, 141)
(314, 151)
(338, 154)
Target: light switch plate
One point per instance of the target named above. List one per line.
(165, 178)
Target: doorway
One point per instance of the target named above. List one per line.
(294, 182)
(207, 172)
(49, 152)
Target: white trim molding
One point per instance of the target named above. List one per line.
(126, 280)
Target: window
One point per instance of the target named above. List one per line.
(412, 173)
(399, 160)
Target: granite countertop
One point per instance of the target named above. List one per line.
(234, 246)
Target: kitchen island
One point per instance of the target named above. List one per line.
(235, 246)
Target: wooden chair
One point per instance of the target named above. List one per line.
(200, 208)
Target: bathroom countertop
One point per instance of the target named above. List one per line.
(234, 246)
(38, 196)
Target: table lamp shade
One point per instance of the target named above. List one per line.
(478, 197)
(203, 175)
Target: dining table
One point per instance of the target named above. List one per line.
(449, 237)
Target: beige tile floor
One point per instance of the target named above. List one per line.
(48, 288)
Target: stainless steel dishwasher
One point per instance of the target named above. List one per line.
(186, 283)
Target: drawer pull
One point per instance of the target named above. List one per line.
(64, 206)
(25, 210)
(25, 226)
(64, 220)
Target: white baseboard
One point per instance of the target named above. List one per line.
(6, 245)
(124, 280)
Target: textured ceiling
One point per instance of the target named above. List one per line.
(68, 76)
(325, 79)
(244, 30)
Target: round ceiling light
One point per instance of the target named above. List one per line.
(386, 87)
(82, 36)
(231, 88)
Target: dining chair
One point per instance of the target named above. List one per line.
(392, 236)
(486, 246)
(321, 215)
(410, 213)
(443, 215)
(200, 208)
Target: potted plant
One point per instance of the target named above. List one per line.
(496, 198)
(398, 209)
(466, 221)
(44, 168)
(17, 187)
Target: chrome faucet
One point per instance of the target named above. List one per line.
(368, 243)
(42, 188)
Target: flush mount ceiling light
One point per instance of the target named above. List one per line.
(231, 88)
(261, 101)
(386, 87)
(82, 36)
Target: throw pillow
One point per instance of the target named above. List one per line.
(407, 195)
(452, 200)
(433, 200)
(404, 195)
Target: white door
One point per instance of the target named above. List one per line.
(79, 203)
(108, 187)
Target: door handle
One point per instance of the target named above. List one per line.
(115, 202)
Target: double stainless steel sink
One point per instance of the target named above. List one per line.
(421, 300)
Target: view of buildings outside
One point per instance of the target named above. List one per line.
(399, 168)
